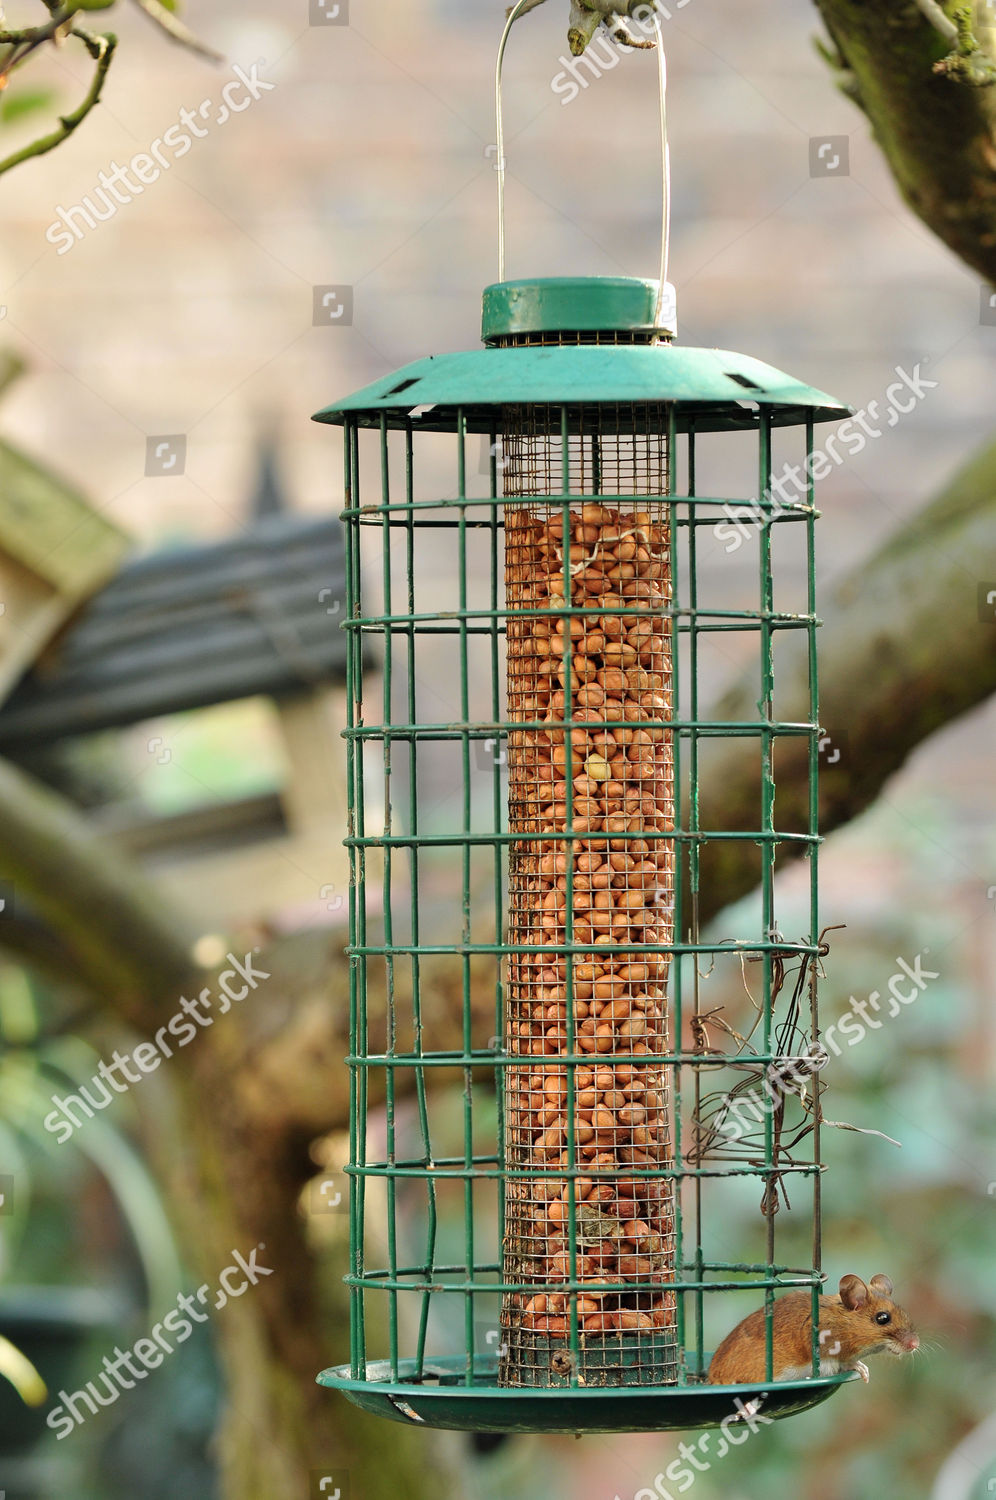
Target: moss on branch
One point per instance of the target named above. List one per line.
(938, 135)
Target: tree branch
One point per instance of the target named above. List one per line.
(903, 651)
(938, 136)
(289, 1081)
(110, 920)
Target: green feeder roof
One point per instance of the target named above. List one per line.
(712, 389)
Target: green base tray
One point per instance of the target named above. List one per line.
(441, 1399)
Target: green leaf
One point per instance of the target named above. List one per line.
(24, 102)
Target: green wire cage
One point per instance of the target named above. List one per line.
(547, 1127)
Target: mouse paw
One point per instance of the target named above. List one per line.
(863, 1371)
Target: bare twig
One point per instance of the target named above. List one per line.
(22, 43)
(969, 63)
(101, 48)
(584, 24)
(587, 16)
(25, 42)
(176, 31)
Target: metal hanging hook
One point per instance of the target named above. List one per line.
(663, 286)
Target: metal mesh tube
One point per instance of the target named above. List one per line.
(596, 782)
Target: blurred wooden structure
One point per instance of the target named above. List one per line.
(55, 550)
(256, 615)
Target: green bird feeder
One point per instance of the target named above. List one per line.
(551, 1131)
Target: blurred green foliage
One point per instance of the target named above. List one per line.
(19, 102)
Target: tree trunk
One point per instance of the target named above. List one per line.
(253, 1098)
(240, 1190)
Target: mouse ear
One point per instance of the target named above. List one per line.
(882, 1285)
(853, 1292)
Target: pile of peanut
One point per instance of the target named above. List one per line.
(610, 675)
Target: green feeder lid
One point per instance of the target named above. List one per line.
(577, 304)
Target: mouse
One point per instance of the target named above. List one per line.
(861, 1320)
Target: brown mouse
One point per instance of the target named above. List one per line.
(862, 1320)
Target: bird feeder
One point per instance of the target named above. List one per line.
(551, 1270)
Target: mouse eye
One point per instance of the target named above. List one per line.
(883, 1317)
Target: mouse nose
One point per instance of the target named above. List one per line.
(912, 1342)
